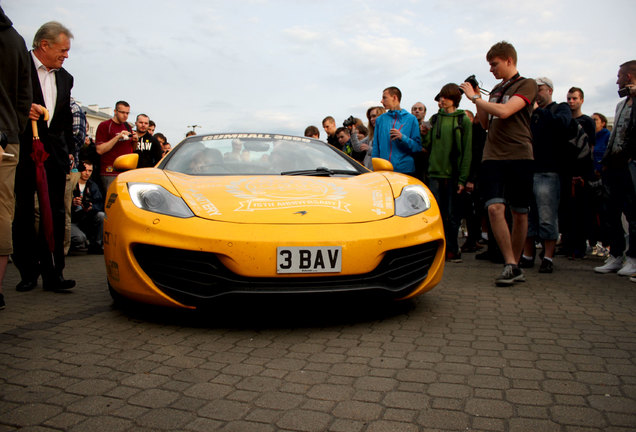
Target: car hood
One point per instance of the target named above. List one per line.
(289, 199)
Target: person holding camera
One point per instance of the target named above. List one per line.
(619, 172)
(87, 216)
(507, 163)
(114, 137)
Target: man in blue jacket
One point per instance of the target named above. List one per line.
(397, 134)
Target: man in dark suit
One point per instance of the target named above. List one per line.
(51, 88)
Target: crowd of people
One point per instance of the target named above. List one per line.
(527, 176)
(522, 172)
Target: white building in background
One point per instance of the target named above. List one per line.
(95, 115)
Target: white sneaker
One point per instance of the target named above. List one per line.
(629, 268)
(612, 264)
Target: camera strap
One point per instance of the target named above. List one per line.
(499, 92)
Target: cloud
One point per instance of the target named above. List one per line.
(302, 35)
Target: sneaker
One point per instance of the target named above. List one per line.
(612, 264)
(632, 278)
(454, 258)
(629, 268)
(510, 275)
(546, 266)
(470, 247)
(526, 262)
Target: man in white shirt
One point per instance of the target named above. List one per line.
(51, 86)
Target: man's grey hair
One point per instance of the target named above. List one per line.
(50, 31)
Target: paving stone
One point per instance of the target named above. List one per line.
(578, 416)
(440, 419)
(154, 398)
(357, 410)
(102, 424)
(331, 392)
(305, 421)
(278, 400)
(95, 405)
(224, 410)
(525, 425)
(166, 419)
(489, 408)
(29, 414)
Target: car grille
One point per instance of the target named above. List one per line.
(192, 277)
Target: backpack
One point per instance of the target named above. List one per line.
(460, 120)
(579, 152)
(578, 141)
(460, 127)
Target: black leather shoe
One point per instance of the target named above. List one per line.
(24, 286)
(58, 285)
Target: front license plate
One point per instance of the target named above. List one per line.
(310, 259)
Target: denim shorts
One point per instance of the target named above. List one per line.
(507, 182)
(544, 212)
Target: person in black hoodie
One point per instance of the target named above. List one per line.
(147, 147)
(15, 102)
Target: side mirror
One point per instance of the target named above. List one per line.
(381, 164)
(126, 162)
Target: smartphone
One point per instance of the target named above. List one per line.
(623, 92)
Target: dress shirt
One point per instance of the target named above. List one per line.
(48, 84)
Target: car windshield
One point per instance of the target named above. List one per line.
(254, 154)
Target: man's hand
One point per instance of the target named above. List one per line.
(35, 112)
(468, 89)
(460, 188)
(470, 187)
(364, 147)
(395, 134)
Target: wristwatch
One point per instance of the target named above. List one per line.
(474, 98)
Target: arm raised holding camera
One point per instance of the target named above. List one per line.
(485, 108)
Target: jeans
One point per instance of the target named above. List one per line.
(445, 193)
(622, 199)
(543, 221)
(89, 228)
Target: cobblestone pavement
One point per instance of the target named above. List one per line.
(556, 353)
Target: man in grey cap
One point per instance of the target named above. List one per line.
(549, 125)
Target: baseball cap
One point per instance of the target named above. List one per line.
(545, 81)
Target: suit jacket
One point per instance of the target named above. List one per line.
(58, 137)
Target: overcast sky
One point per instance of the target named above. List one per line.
(279, 66)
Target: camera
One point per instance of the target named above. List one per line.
(349, 122)
(623, 92)
(472, 81)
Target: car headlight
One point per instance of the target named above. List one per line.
(157, 199)
(412, 200)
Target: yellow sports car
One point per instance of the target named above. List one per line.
(227, 214)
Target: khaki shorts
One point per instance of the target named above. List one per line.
(7, 198)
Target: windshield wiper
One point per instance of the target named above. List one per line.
(320, 171)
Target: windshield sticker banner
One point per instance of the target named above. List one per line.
(267, 194)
